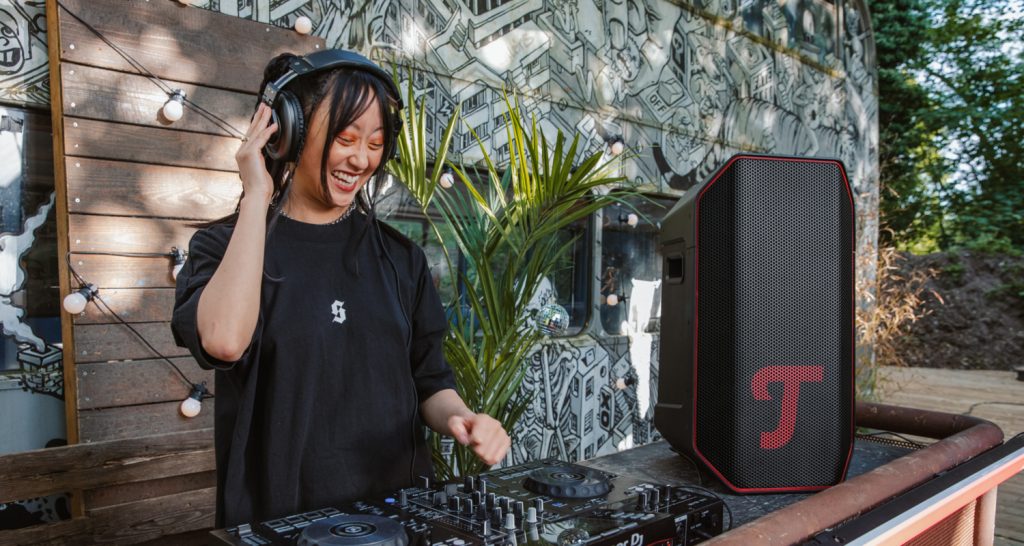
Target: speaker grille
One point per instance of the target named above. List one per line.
(774, 296)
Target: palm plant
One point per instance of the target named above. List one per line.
(506, 228)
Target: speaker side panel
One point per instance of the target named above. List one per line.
(673, 414)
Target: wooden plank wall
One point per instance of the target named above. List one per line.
(133, 182)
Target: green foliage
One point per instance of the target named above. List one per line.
(900, 28)
(951, 93)
(507, 227)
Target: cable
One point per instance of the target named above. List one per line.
(140, 68)
(107, 310)
(971, 409)
(696, 469)
(408, 345)
(878, 436)
(125, 254)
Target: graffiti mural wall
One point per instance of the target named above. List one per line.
(684, 85)
(24, 74)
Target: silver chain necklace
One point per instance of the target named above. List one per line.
(346, 214)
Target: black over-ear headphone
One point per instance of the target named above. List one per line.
(284, 144)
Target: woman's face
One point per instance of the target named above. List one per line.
(353, 156)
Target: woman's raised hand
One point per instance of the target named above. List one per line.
(256, 181)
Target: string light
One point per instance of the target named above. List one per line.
(303, 25)
(141, 69)
(76, 302)
(191, 406)
(172, 111)
(616, 145)
(175, 106)
(447, 179)
(612, 300)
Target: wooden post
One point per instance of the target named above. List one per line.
(67, 334)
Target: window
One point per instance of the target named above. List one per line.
(465, 140)
(630, 274)
(483, 6)
(474, 102)
(571, 274)
(534, 66)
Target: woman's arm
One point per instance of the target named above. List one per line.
(446, 413)
(229, 305)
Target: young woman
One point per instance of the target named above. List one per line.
(323, 322)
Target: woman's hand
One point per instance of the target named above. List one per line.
(256, 181)
(483, 433)
(446, 413)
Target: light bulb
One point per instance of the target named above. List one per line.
(303, 25)
(620, 384)
(447, 180)
(632, 219)
(185, 2)
(75, 302)
(173, 110)
(175, 106)
(191, 406)
(617, 147)
(612, 300)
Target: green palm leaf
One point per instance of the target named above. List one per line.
(506, 225)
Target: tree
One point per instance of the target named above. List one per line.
(906, 133)
(950, 94)
(975, 73)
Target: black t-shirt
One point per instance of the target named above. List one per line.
(321, 408)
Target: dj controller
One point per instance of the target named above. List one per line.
(535, 504)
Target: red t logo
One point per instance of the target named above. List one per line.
(790, 377)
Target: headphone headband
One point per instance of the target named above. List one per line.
(325, 60)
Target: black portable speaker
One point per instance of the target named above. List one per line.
(757, 324)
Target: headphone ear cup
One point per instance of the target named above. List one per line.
(285, 143)
(398, 133)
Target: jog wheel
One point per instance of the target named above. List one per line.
(567, 482)
(354, 530)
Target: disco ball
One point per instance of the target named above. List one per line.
(552, 319)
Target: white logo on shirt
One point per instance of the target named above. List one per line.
(338, 310)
